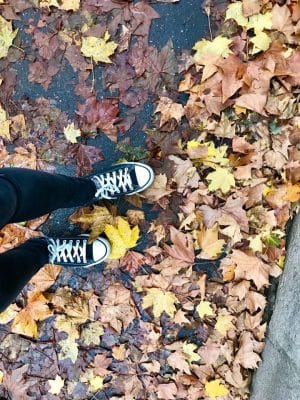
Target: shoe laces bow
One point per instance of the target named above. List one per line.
(111, 183)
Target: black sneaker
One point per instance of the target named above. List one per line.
(122, 179)
(77, 252)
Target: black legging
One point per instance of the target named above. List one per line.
(26, 194)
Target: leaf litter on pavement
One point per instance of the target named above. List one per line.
(178, 310)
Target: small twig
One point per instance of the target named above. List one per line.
(19, 48)
(207, 11)
(93, 75)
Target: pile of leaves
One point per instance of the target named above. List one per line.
(180, 316)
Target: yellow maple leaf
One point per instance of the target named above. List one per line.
(221, 179)
(161, 301)
(293, 192)
(9, 314)
(121, 237)
(67, 5)
(7, 36)
(189, 350)
(96, 383)
(204, 308)
(215, 389)
(4, 122)
(56, 384)
(259, 22)
(224, 324)
(71, 133)
(1, 376)
(235, 11)
(261, 42)
(90, 334)
(69, 349)
(210, 243)
(218, 46)
(256, 243)
(100, 49)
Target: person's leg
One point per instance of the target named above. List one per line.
(35, 193)
(17, 266)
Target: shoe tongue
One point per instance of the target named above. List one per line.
(89, 252)
(133, 177)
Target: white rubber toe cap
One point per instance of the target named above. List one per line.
(101, 249)
(144, 175)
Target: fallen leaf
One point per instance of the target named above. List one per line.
(161, 301)
(100, 49)
(71, 133)
(121, 237)
(7, 36)
(221, 179)
(204, 309)
(167, 391)
(169, 109)
(56, 384)
(215, 388)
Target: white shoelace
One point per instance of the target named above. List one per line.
(65, 251)
(111, 183)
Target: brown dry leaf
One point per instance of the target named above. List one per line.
(158, 189)
(101, 362)
(119, 352)
(35, 310)
(251, 268)
(255, 301)
(117, 309)
(209, 242)
(177, 360)
(185, 175)
(45, 277)
(167, 391)
(246, 355)
(169, 109)
(16, 384)
(183, 248)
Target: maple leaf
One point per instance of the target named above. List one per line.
(218, 46)
(7, 36)
(158, 189)
(204, 309)
(224, 324)
(100, 49)
(293, 192)
(189, 350)
(67, 5)
(100, 114)
(45, 277)
(177, 360)
(246, 355)
(91, 333)
(183, 248)
(101, 362)
(94, 218)
(261, 42)
(121, 237)
(215, 388)
(69, 349)
(56, 384)
(35, 310)
(15, 383)
(221, 179)
(167, 391)
(71, 133)
(4, 124)
(161, 301)
(209, 242)
(169, 109)
(251, 268)
(9, 314)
